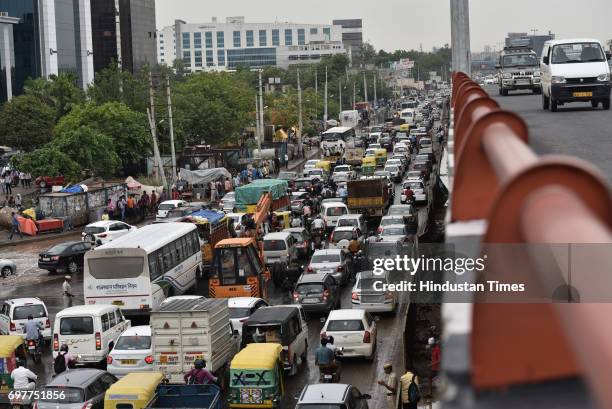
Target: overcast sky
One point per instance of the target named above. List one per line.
(406, 24)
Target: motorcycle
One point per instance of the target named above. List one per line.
(318, 236)
(331, 374)
(33, 347)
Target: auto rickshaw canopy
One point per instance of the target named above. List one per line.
(257, 356)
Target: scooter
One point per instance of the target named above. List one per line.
(33, 347)
(331, 374)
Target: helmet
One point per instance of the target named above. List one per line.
(64, 348)
(199, 364)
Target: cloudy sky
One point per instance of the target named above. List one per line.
(406, 24)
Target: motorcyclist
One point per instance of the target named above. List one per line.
(318, 224)
(354, 246)
(342, 192)
(33, 330)
(23, 378)
(324, 357)
(199, 374)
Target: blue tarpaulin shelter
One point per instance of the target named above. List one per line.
(210, 215)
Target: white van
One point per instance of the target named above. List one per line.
(408, 116)
(332, 211)
(164, 208)
(90, 331)
(279, 248)
(14, 314)
(574, 70)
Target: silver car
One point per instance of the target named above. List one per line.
(368, 295)
(395, 233)
(332, 261)
(332, 396)
(7, 267)
(76, 389)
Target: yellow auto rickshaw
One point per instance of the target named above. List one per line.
(284, 217)
(381, 157)
(136, 390)
(324, 164)
(11, 350)
(368, 165)
(404, 128)
(257, 377)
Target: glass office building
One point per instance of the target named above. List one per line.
(130, 41)
(7, 57)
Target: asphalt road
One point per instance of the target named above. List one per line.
(33, 282)
(576, 129)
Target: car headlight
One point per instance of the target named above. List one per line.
(507, 75)
(604, 77)
(558, 80)
(537, 73)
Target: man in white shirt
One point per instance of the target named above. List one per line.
(21, 377)
(318, 223)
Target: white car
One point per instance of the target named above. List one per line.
(354, 331)
(241, 308)
(311, 164)
(367, 293)
(14, 314)
(343, 172)
(132, 352)
(228, 202)
(164, 207)
(332, 211)
(106, 230)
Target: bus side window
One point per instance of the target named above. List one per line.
(153, 271)
(195, 243)
(167, 257)
(160, 263)
(113, 321)
(178, 251)
(105, 323)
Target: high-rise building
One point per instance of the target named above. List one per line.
(7, 56)
(235, 43)
(51, 37)
(124, 33)
(352, 36)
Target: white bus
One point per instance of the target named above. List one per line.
(336, 140)
(139, 270)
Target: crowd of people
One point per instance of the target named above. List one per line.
(14, 178)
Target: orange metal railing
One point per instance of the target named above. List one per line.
(529, 199)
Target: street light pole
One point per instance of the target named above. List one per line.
(171, 125)
(340, 94)
(299, 112)
(365, 87)
(325, 109)
(262, 131)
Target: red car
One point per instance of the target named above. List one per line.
(48, 181)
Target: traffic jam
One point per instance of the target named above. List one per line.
(265, 301)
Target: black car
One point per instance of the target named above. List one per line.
(318, 292)
(64, 257)
(78, 388)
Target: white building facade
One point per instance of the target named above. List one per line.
(235, 43)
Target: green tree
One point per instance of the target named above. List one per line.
(91, 149)
(60, 92)
(126, 129)
(48, 160)
(114, 85)
(26, 123)
(212, 106)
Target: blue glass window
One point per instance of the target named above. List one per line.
(221, 58)
(288, 37)
(208, 39)
(301, 36)
(209, 58)
(251, 57)
(327, 31)
(186, 42)
(313, 31)
(263, 38)
(197, 40)
(249, 38)
(198, 58)
(187, 57)
(220, 39)
(237, 39)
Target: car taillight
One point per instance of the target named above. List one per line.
(98, 341)
(340, 268)
(55, 258)
(109, 360)
(355, 296)
(47, 323)
(149, 360)
(325, 295)
(309, 269)
(296, 296)
(31, 342)
(55, 343)
(103, 235)
(366, 337)
(12, 326)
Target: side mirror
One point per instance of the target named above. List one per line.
(322, 320)
(236, 333)
(545, 60)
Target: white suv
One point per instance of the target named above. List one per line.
(574, 70)
(14, 314)
(104, 231)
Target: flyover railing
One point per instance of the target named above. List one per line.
(521, 197)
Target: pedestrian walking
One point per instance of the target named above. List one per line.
(435, 357)
(7, 184)
(287, 161)
(28, 177)
(22, 179)
(410, 394)
(18, 201)
(121, 205)
(390, 384)
(213, 191)
(110, 209)
(153, 203)
(67, 291)
(15, 227)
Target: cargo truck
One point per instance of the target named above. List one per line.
(248, 196)
(184, 330)
(368, 196)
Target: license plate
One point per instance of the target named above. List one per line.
(583, 94)
(250, 395)
(46, 259)
(120, 303)
(128, 362)
(273, 260)
(326, 377)
(32, 347)
(310, 301)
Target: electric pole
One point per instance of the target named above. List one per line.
(460, 35)
(375, 98)
(325, 107)
(354, 94)
(340, 94)
(262, 129)
(365, 87)
(153, 128)
(171, 125)
(316, 93)
(299, 112)
(257, 127)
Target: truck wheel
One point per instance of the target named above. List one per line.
(606, 104)
(504, 92)
(545, 102)
(594, 103)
